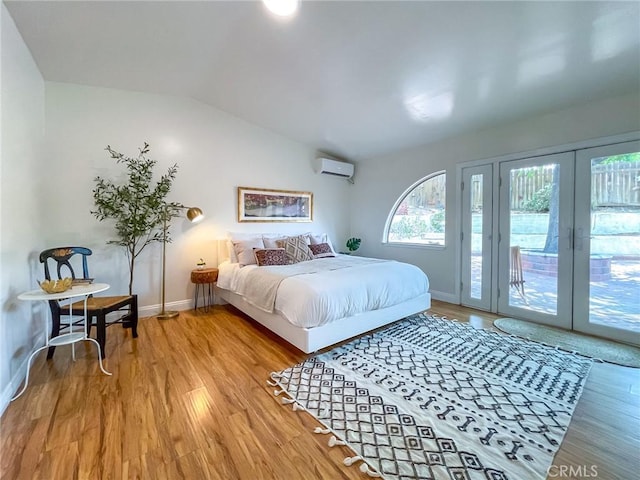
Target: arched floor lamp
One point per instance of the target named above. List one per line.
(194, 214)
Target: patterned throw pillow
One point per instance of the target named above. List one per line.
(296, 248)
(271, 256)
(321, 250)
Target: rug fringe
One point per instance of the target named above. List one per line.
(365, 468)
(294, 404)
(333, 441)
(348, 461)
(274, 376)
(285, 401)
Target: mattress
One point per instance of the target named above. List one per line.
(317, 292)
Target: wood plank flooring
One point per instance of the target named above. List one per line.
(188, 399)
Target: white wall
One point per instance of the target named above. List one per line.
(215, 153)
(22, 126)
(383, 179)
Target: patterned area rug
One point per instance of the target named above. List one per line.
(596, 348)
(430, 398)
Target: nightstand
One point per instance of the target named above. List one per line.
(204, 279)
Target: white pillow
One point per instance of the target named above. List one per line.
(235, 236)
(233, 258)
(270, 239)
(244, 250)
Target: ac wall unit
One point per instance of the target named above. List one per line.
(333, 167)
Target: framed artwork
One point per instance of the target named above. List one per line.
(262, 205)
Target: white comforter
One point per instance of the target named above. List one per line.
(317, 292)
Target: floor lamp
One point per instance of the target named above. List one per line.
(194, 214)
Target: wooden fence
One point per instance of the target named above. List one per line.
(430, 194)
(526, 182)
(612, 184)
(615, 184)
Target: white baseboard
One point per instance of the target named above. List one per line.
(16, 380)
(151, 310)
(445, 297)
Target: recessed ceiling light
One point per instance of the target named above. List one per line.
(282, 8)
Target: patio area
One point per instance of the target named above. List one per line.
(614, 302)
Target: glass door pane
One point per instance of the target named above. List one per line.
(476, 236)
(607, 242)
(535, 247)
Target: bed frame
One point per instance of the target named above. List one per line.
(312, 339)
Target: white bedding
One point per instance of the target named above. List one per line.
(317, 292)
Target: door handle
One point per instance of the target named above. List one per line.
(570, 238)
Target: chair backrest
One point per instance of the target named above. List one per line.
(61, 257)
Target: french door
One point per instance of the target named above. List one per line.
(535, 236)
(568, 240)
(477, 219)
(606, 293)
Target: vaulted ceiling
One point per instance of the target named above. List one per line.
(355, 79)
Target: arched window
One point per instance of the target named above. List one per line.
(418, 216)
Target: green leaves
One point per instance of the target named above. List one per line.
(353, 244)
(138, 207)
(539, 201)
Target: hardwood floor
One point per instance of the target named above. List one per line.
(189, 399)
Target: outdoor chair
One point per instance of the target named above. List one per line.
(97, 307)
(516, 277)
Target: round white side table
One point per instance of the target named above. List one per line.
(66, 338)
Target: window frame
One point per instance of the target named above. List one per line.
(396, 205)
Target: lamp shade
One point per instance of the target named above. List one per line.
(194, 214)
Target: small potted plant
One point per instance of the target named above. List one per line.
(353, 244)
(201, 264)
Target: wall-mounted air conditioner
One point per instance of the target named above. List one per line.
(334, 167)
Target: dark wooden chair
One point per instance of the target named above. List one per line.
(97, 307)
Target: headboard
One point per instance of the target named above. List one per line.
(222, 249)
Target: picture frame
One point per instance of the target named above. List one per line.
(266, 205)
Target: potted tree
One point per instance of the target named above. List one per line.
(138, 207)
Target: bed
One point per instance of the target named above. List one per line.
(321, 300)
